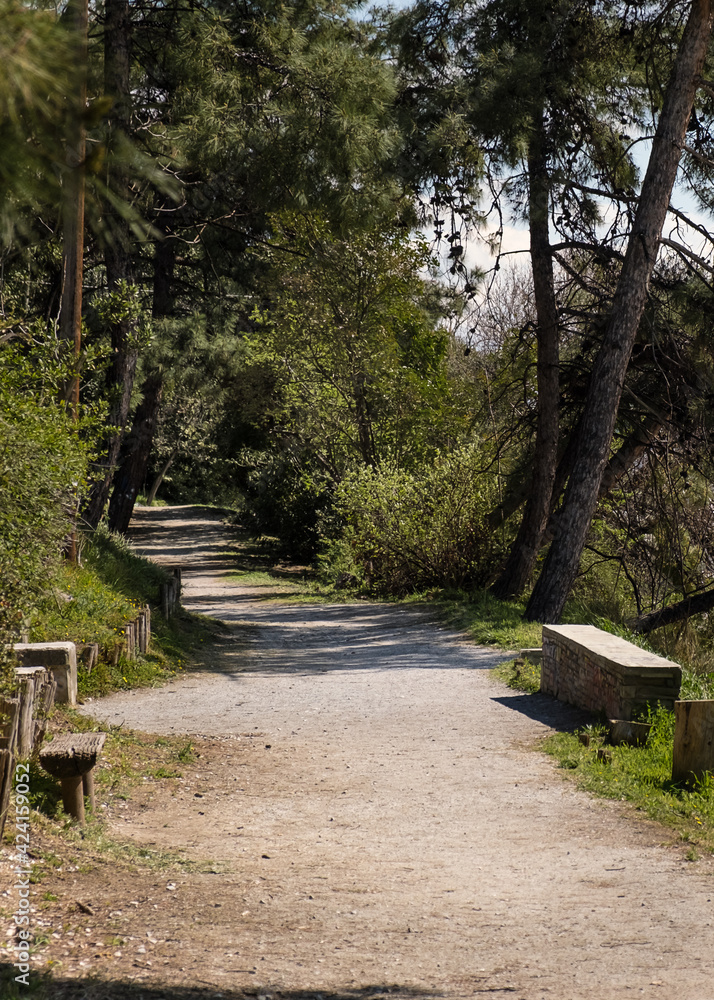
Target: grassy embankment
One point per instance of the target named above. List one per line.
(93, 602)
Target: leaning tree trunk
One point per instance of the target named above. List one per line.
(560, 569)
(696, 604)
(131, 473)
(633, 447)
(522, 557)
(117, 258)
(130, 476)
(159, 478)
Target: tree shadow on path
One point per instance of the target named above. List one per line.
(48, 987)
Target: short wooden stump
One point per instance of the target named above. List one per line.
(693, 755)
(71, 757)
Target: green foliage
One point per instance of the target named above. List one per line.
(360, 372)
(352, 369)
(200, 426)
(285, 496)
(643, 776)
(302, 118)
(410, 530)
(42, 471)
(36, 78)
(489, 621)
(93, 602)
(522, 677)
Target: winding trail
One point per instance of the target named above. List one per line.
(376, 817)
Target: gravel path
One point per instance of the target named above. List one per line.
(379, 817)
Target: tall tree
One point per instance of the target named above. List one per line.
(601, 407)
(118, 255)
(539, 90)
(266, 105)
(518, 568)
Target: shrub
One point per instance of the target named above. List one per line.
(425, 528)
(42, 471)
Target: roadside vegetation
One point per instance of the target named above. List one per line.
(641, 775)
(92, 601)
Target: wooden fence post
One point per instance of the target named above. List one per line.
(9, 723)
(693, 754)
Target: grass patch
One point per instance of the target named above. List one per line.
(522, 677)
(259, 567)
(485, 619)
(640, 775)
(93, 602)
(128, 761)
(275, 584)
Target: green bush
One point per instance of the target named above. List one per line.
(42, 472)
(425, 528)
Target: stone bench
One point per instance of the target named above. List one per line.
(71, 758)
(599, 672)
(59, 658)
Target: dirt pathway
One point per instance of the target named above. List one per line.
(370, 816)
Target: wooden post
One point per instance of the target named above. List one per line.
(9, 721)
(143, 632)
(693, 753)
(27, 704)
(44, 701)
(7, 768)
(88, 787)
(73, 796)
(129, 633)
(32, 681)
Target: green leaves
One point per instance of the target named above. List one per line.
(360, 370)
(42, 473)
(414, 530)
(35, 78)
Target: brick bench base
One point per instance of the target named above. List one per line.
(589, 668)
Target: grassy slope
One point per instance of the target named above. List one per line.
(92, 603)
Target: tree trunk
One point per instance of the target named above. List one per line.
(117, 258)
(73, 198)
(70, 318)
(561, 565)
(632, 448)
(364, 422)
(522, 557)
(158, 480)
(697, 604)
(130, 476)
